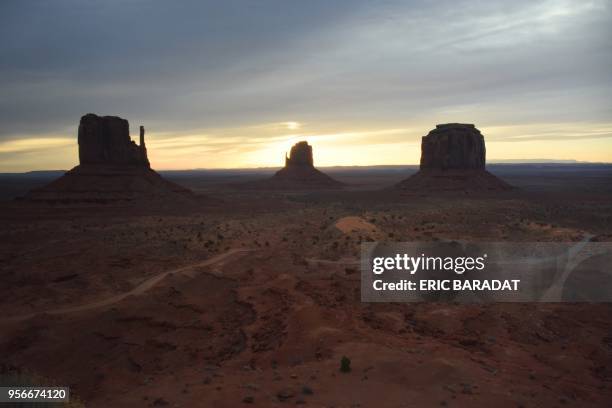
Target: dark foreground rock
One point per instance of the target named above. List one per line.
(453, 158)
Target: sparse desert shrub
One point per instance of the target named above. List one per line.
(306, 390)
(345, 364)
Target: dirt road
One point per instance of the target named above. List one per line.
(137, 290)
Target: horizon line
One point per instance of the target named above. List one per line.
(493, 162)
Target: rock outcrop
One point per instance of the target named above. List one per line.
(453, 146)
(111, 167)
(299, 173)
(300, 155)
(453, 158)
(106, 140)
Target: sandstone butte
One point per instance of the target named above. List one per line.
(453, 158)
(299, 173)
(111, 167)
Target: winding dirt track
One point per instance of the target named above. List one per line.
(154, 280)
(137, 290)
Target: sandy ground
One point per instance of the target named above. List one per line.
(252, 300)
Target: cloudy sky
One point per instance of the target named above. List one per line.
(235, 83)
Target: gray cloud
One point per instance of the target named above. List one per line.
(186, 65)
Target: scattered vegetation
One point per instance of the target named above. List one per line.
(345, 364)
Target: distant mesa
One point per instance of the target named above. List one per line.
(453, 158)
(111, 167)
(299, 173)
(453, 146)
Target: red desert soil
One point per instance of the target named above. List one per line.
(254, 303)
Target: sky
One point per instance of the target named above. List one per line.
(230, 84)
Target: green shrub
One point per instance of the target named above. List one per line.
(345, 364)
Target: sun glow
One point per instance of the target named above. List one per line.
(265, 145)
(293, 125)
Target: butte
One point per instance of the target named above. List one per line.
(453, 158)
(111, 167)
(299, 173)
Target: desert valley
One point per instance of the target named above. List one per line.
(242, 288)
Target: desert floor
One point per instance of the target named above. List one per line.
(252, 298)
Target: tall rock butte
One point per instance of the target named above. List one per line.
(453, 146)
(111, 167)
(299, 173)
(453, 157)
(106, 140)
(299, 155)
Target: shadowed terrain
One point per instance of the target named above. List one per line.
(254, 296)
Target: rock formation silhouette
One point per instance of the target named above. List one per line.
(106, 140)
(299, 173)
(111, 167)
(453, 157)
(299, 155)
(453, 146)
